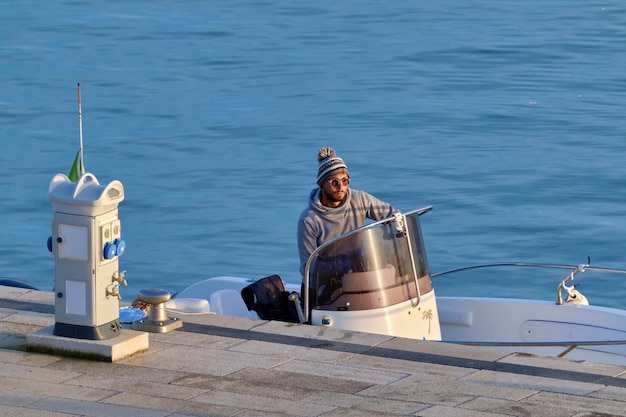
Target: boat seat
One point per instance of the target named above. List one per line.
(369, 280)
(229, 303)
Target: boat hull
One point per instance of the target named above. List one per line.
(577, 332)
(404, 319)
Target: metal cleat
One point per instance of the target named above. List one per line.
(157, 321)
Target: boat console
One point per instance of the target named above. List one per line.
(374, 279)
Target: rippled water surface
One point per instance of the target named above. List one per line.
(506, 116)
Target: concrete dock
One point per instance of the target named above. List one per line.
(226, 366)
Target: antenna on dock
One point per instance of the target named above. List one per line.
(78, 167)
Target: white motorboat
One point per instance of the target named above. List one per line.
(376, 279)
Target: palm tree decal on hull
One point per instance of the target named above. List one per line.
(428, 315)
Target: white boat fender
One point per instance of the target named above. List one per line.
(188, 306)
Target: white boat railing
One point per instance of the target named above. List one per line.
(573, 295)
(576, 268)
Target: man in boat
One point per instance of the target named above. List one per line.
(333, 207)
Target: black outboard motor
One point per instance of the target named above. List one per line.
(269, 299)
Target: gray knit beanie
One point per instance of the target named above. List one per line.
(329, 162)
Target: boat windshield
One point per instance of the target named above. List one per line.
(377, 265)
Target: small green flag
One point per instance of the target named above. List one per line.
(77, 168)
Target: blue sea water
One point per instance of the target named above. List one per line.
(506, 116)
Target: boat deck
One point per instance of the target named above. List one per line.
(228, 366)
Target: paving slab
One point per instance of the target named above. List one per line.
(203, 360)
(265, 404)
(115, 385)
(367, 403)
(29, 412)
(528, 384)
(175, 406)
(30, 375)
(445, 411)
(567, 365)
(95, 409)
(29, 317)
(26, 295)
(289, 382)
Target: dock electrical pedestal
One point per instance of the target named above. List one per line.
(86, 243)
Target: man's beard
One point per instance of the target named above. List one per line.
(331, 197)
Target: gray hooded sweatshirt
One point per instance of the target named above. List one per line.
(318, 224)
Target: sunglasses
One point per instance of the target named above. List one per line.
(336, 182)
